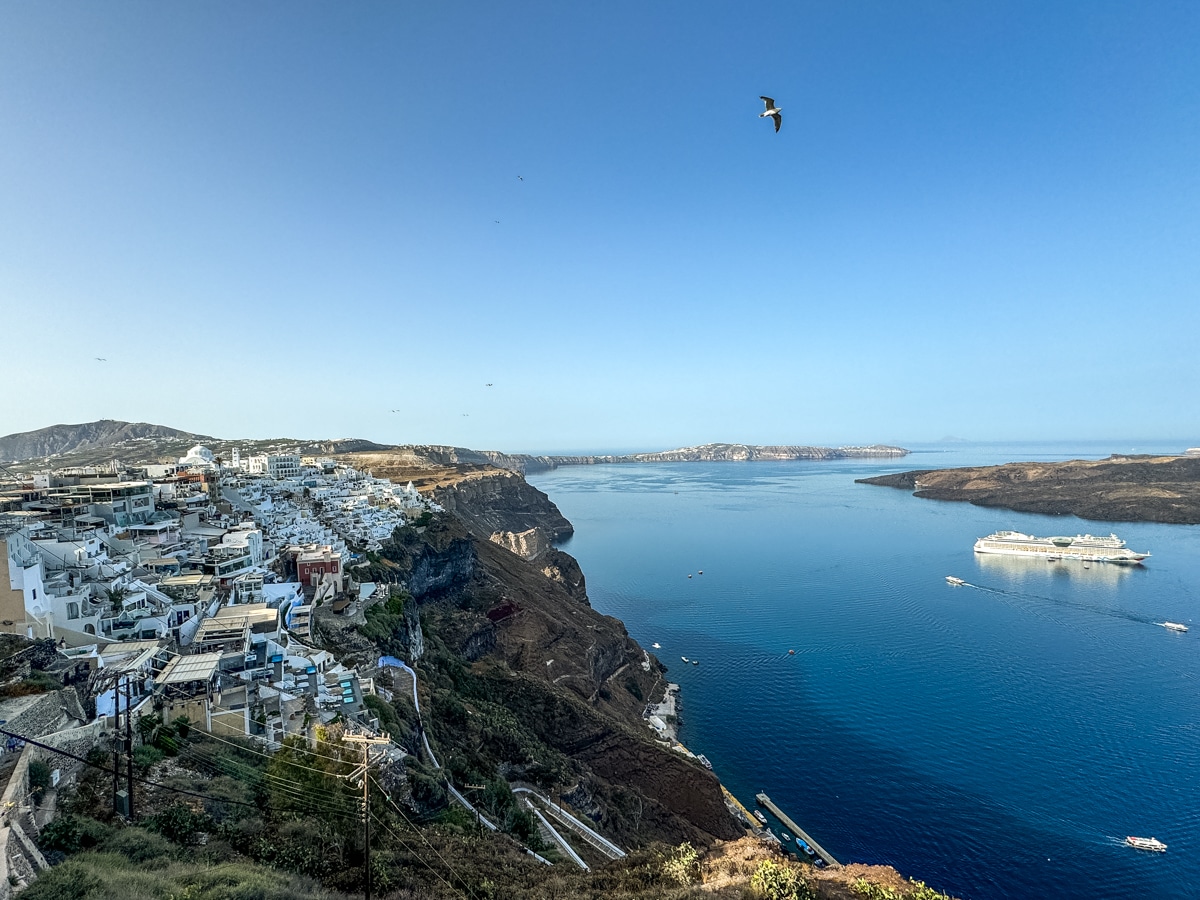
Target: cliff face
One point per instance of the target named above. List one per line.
(495, 500)
(1117, 489)
(527, 679)
(486, 498)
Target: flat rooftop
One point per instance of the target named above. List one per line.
(183, 669)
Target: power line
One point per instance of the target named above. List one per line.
(425, 862)
(419, 832)
(156, 784)
(234, 769)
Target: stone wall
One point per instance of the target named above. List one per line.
(20, 860)
(46, 714)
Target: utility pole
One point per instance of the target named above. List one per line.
(129, 740)
(364, 771)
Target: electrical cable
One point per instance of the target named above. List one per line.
(384, 825)
(231, 769)
(156, 784)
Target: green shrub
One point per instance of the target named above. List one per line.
(138, 845)
(683, 865)
(70, 834)
(180, 824)
(70, 881)
(779, 882)
(39, 780)
(146, 756)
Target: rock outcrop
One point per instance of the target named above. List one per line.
(1117, 489)
(528, 544)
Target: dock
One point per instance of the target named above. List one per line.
(797, 831)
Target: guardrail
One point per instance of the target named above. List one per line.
(597, 840)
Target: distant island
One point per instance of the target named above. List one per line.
(1118, 489)
(525, 463)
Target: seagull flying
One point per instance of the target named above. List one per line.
(520, 178)
(489, 384)
(772, 111)
(101, 359)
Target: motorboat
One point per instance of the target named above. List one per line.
(1174, 626)
(950, 579)
(1141, 843)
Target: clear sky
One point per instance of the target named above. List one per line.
(979, 219)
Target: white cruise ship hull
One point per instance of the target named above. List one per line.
(1081, 547)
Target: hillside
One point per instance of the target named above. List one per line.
(1117, 489)
(106, 433)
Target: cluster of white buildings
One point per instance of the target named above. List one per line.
(196, 582)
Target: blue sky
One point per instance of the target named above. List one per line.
(979, 219)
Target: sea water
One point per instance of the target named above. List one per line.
(994, 740)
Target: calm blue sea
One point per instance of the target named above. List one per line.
(997, 740)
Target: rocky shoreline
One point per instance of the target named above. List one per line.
(1117, 489)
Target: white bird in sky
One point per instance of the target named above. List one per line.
(772, 111)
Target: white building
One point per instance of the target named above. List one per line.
(198, 456)
(283, 465)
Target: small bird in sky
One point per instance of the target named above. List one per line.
(520, 178)
(497, 221)
(466, 414)
(772, 111)
(489, 384)
(395, 410)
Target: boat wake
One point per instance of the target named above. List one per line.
(1110, 611)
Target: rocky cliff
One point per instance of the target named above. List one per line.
(1117, 489)
(527, 679)
(488, 499)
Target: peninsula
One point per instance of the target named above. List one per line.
(1117, 489)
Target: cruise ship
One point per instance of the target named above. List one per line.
(1082, 546)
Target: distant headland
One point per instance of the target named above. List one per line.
(525, 463)
(1117, 489)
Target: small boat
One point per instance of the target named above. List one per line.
(701, 572)
(656, 645)
(703, 760)
(761, 818)
(695, 662)
(1174, 626)
(1141, 843)
(785, 836)
(950, 579)
(685, 659)
(791, 653)
(689, 576)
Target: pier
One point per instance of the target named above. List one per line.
(797, 831)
